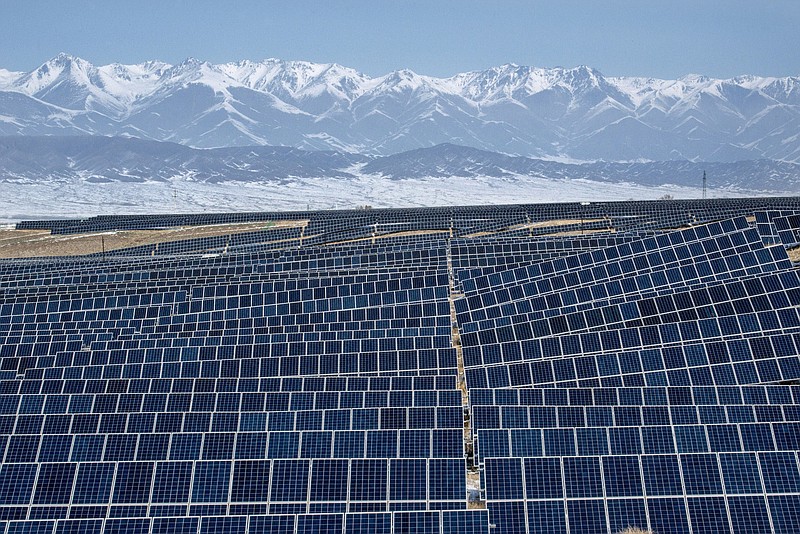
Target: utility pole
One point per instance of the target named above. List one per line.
(704, 185)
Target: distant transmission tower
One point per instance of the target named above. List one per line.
(704, 185)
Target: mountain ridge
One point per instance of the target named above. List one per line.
(96, 159)
(551, 113)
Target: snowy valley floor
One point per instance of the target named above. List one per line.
(20, 201)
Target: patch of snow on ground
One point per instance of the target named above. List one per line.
(19, 201)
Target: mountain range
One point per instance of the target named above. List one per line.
(562, 114)
(97, 159)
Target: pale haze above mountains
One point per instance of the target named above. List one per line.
(565, 114)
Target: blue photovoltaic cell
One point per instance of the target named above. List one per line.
(368, 480)
(504, 479)
(235, 525)
(132, 482)
(93, 483)
(328, 481)
(250, 482)
(368, 523)
(54, 484)
(408, 480)
(320, 523)
(211, 482)
(289, 481)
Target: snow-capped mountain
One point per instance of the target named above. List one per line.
(558, 113)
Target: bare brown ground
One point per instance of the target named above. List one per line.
(581, 232)
(37, 243)
(794, 254)
(555, 222)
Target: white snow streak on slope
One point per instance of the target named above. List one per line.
(79, 199)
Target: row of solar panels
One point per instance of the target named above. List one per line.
(692, 209)
(19, 401)
(78, 365)
(280, 486)
(195, 442)
(287, 385)
(423, 522)
(85, 411)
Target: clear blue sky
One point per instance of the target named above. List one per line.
(659, 38)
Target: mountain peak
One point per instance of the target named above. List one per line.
(573, 113)
(60, 62)
(62, 58)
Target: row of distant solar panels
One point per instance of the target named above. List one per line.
(422, 522)
(318, 385)
(180, 281)
(687, 315)
(354, 254)
(405, 287)
(392, 334)
(569, 294)
(376, 306)
(696, 310)
(632, 327)
(134, 282)
(327, 338)
(89, 276)
(243, 311)
(662, 249)
(201, 341)
(86, 410)
(633, 440)
(532, 212)
(749, 351)
(425, 361)
(739, 361)
(63, 397)
(467, 252)
(154, 222)
(403, 333)
(41, 339)
(276, 237)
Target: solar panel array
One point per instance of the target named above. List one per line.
(531, 368)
